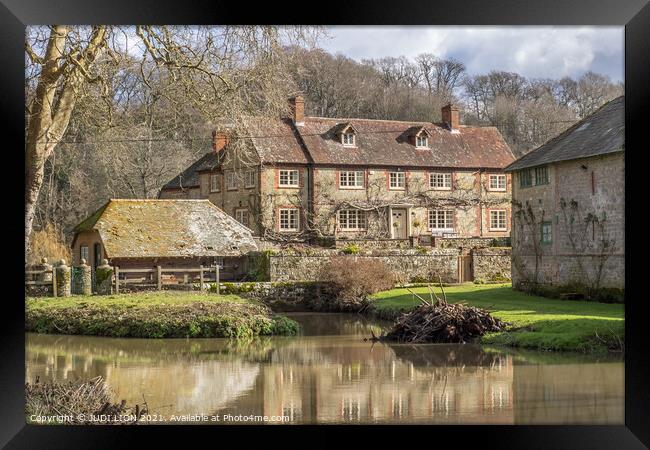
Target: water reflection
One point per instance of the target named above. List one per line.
(329, 375)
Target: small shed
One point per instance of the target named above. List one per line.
(136, 234)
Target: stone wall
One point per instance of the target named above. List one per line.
(491, 264)
(294, 296)
(407, 264)
(470, 243)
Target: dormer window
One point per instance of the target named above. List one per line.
(420, 137)
(421, 141)
(347, 133)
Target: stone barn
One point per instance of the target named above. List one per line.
(569, 206)
(168, 233)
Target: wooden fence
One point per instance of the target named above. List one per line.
(156, 276)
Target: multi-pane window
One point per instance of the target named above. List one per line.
(215, 183)
(83, 252)
(546, 231)
(498, 220)
(351, 179)
(440, 181)
(441, 219)
(289, 219)
(348, 139)
(231, 181)
(289, 178)
(541, 175)
(352, 219)
(525, 178)
(497, 182)
(241, 215)
(421, 142)
(396, 180)
(249, 178)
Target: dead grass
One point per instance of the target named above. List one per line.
(48, 243)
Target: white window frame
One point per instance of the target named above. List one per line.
(215, 182)
(505, 220)
(425, 139)
(497, 177)
(231, 181)
(345, 141)
(396, 176)
(433, 220)
(352, 179)
(242, 212)
(250, 178)
(289, 219)
(287, 175)
(446, 181)
(348, 217)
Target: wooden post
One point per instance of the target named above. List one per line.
(53, 281)
(159, 270)
(117, 280)
(217, 271)
(185, 278)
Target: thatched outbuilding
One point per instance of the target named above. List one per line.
(135, 233)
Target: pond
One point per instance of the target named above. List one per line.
(329, 374)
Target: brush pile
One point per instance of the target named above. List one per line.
(439, 321)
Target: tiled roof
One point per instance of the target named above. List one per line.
(167, 228)
(189, 178)
(388, 143)
(275, 140)
(600, 133)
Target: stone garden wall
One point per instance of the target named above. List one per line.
(408, 265)
(491, 264)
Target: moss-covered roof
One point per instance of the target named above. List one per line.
(167, 228)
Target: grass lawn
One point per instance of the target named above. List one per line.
(537, 322)
(162, 314)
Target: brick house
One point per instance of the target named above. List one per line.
(569, 208)
(356, 178)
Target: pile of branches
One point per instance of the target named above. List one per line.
(83, 402)
(438, 321)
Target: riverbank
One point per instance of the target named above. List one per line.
(536, 322)
(163, 314)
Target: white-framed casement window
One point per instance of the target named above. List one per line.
(289, 178)
(421, 141)
(498, 220)
(440, 181)
(441, 220)
(83, 253)
(352, 219)
(241, 216)
(497, 182)
(351, 179)
(215, 182)
(396, 180)
(348, 139)
(231, 181)
(289, 219)
(249, 178)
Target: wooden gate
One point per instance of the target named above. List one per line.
(465, 272)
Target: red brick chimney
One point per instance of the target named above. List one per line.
(297, 104)
(219, 140)
(451, 116)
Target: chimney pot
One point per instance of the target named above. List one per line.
(451, 116)
(219, 140)
(297, 104)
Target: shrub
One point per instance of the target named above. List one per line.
(354, 280)
(351, 249)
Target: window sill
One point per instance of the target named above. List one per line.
(287, 186)
(292, 230)
(497, 190)
(232, 189)
(214, 192)
(498, 229)
(440, 189)
(352, 188)
(396, 189)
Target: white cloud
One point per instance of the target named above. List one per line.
(549, 52)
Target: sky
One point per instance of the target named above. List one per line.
(537, 52)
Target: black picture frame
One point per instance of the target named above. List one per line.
(633, 14)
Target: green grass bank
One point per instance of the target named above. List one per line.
(537, 322)
(164, 314)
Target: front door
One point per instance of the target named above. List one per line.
(399, 224)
